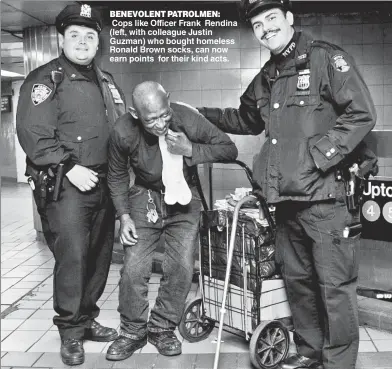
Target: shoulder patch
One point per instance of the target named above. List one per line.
(39, 93)
(340, 64)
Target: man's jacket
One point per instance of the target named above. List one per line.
(131, 143)
(314, 114)
(64, 117)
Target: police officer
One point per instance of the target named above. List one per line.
(66, 112)
(315, 109)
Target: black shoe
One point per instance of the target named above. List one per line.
(298, 361)
(72, 352)
(99, 333)
(123, 347)
(166, 342)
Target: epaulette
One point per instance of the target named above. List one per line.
(325, 45)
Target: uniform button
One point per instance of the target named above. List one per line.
(332, 150)
(274, 141)
(60, 68)
(258, 106)
(301, 102)
(276, 106)
(73, 75)
(328, 154)
(79, 138)
(329, 195)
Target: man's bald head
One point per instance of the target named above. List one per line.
(147, 95)
(151, 106)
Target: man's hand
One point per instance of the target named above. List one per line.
(83, 178)
(128, 234)
(178, 143)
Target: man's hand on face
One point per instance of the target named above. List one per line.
(178, 143)
(83, 178)
(128, 234)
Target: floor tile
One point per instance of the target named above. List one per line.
(363, 335)
(34, 278)
(378, 334)
(29, 304)
(110, 305)
(21, 340)
(11, 324)
(43, 296)
(20, 314)
(139, 361)
(366, 346)
(90, 346)
(51, 360)
(36, 325)
(5, 334)
(383, 345)
(8, 282)
(26, 359)
(12, 295)
(48, 342)
(26, 284)
(43, 314)
(4, 307)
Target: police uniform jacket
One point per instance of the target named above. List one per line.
(314, 113)
(68, 118)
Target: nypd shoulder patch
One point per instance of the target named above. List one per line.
(39, 93)
(340, 64)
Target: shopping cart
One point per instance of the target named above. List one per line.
(239, 286)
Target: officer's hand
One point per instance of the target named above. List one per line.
(83, 178)
(178, 143)
(128, 234)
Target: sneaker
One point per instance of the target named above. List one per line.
(123, 347)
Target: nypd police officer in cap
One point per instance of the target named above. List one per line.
(66, 111)
(315, 110)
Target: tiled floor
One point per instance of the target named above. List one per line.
(29, 339)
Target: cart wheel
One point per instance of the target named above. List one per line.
(269, 344)
(194, 326)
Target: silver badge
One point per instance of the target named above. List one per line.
(40, 93)
(340, 63)
(85, 11)
(303, 82)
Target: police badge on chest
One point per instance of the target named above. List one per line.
(303, 82)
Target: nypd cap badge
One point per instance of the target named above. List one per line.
(39, 93)
(340, 64)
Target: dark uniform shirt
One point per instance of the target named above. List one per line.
(130, 141)
(68, 121)
(314, 112)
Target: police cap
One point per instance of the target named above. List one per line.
(250, 8)
(80, 15)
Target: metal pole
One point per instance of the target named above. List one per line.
(227, 278)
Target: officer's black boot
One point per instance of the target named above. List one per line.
(72, 351)
(99, 333)
(298, 361)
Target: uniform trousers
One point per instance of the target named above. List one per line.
(320, 269)
(79, 230)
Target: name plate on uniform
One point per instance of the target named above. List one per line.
(377, 210)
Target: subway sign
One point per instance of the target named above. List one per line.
(377, 210)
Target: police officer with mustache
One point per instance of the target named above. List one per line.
(315, 110)
(66, 111)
